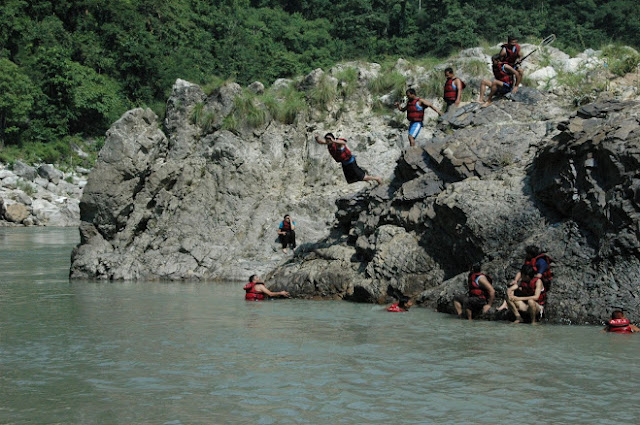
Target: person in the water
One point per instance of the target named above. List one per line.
(403, 304)
(257, 291)
(620, 324)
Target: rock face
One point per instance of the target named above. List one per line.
(511, 175)
(188, 200)
(200, 202)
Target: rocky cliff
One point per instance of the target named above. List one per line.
(179, 199)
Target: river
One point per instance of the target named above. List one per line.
(197, 353)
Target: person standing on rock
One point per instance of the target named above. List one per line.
(257, 291)
(340, 153)
(511, 54)
(287, 234)
(415, 113)
(480, 296)
(531, 296)
(506, 80)
(452, 89)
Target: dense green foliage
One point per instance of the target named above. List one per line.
(72, 67)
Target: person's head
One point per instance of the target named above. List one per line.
(253, 278)
(617, 314)
(448, 72)
(495, 59)
(511, 40)
(411, 93)
(527, 272)
(405, 303)
(287, 217)
(531, 251)
(476, 268)
(329, 137)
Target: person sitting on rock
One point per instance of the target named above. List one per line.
(506, 80)
(286, 233)
(511, 54)
(340, 153)
(257, 291)
(452, 89)
(620, 324)
(531, 296)
(480, 296)
(415, 113)
(403, 305)
(541, 264)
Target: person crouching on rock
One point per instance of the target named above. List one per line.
(403, 304)
(480, 297)
(620, 324)
(256, 291)
(531, 297)
(340, 153)
(506, 80)
(287, 234)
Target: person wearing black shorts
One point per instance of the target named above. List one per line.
(340, 153)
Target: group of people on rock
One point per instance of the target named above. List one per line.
(527, 292)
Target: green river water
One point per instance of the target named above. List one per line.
(197, 353)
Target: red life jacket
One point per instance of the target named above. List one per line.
(475, 290)
(339, 155)
(512, 53)
(547, 275)
(619, 326)
(413, 114)
(451, 93)
(252, 294)
(394, 308)
(286, 226)
(501, 74)
(529, 288)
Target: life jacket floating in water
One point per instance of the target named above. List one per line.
(619, 326)
(251, 293)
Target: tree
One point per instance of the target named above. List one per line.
(17, 94)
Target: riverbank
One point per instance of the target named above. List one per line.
(41, 195)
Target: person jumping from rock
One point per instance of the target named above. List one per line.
(340, 153)
(506, 80)
(415, 113)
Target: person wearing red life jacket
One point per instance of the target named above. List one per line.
(403, 305)
(340, 153)
(530, 296)
(452, 89)
(620, 324)
(415, 113)
(255, 290)
(511, 54)
(480, 296)
(506, 80)
(287, 234)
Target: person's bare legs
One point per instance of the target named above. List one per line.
(412, 140)
(483, 88)
(458, 307)
(510, 292)
(514, 307)
(368, 178)
(494, 88)
(534, 310)
(469, 314)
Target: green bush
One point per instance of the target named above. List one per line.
(387, 82)
(324, 93)
(621, 60)
(347, 81)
